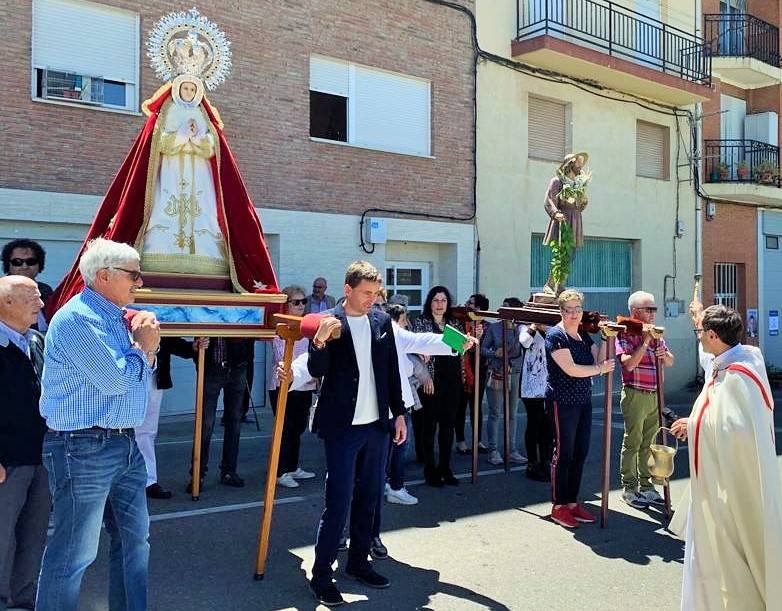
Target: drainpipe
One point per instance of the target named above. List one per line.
(698, 146)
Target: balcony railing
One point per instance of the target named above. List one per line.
(618, 31)
(742, 35)
(747, 161)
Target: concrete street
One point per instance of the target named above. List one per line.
(488, 546)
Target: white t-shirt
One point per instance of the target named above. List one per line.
(366, 400)
(534, 377)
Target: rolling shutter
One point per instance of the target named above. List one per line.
(329, 76)
(392, 112)
(86, 38)
(652, 158)
(547, 129)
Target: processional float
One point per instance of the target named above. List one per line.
(180, 200)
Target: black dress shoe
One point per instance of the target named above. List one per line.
(377, 550)
(342, 546)
(327, 594)
(450, 479)
(371, 578)
(156, 491)
(482, 449)
(231, 478)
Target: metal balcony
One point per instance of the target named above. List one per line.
(617, 31)
(744, 49)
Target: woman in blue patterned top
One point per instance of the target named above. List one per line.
(572, 359)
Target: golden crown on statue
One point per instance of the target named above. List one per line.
(188, 43)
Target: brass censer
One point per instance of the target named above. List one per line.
(661, 460)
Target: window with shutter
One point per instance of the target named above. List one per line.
(652, 156)
(548, 133)
(85, 53)
(380, 110)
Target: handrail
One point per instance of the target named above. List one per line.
(619, 31)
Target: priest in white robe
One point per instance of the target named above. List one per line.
(733, 550)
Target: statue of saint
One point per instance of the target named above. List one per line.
(181, 232)
(179, 197)
(565, 201)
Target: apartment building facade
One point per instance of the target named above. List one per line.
(741, 167)
(337, 113)
(618, 80)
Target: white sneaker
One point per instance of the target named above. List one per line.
(400, 497)
(387, 488)
(652, 496)
(300, 473)
(517, 458)
(495, 458)
(287, 480)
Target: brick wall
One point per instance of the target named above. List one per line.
(732, 238)
(765, 99)
(767, 10)
(265, 106)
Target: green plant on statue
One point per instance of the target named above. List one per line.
(562, 254)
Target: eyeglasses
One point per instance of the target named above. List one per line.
(298, 302)
(574, 310)
(698, 332)
(28, 262)
(133, 273)
(649, 309)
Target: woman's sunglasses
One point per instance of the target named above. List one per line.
(298, 302)
(28, 262)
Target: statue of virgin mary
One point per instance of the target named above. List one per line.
(179, 197)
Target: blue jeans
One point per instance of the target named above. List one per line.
(397, 461)
(355, 463)
(396, 475)
(496, 415)
(95, 476)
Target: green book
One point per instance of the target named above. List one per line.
(454, 338)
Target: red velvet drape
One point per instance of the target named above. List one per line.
(121, 212)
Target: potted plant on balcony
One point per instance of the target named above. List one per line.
(724, 171)
(742, 170)
(766, 172)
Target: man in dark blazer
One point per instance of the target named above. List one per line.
(24, 482)
(359, 407)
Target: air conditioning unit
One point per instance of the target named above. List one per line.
(57, 85)
(763, 127)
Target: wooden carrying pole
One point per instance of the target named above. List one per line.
(199, 419)
(476, 317)
(658, 361)
(476, 396)
(290, 332)
(608, 334)
(507, 325)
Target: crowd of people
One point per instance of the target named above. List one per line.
(82, 392)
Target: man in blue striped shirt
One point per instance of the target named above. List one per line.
(98, 362)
